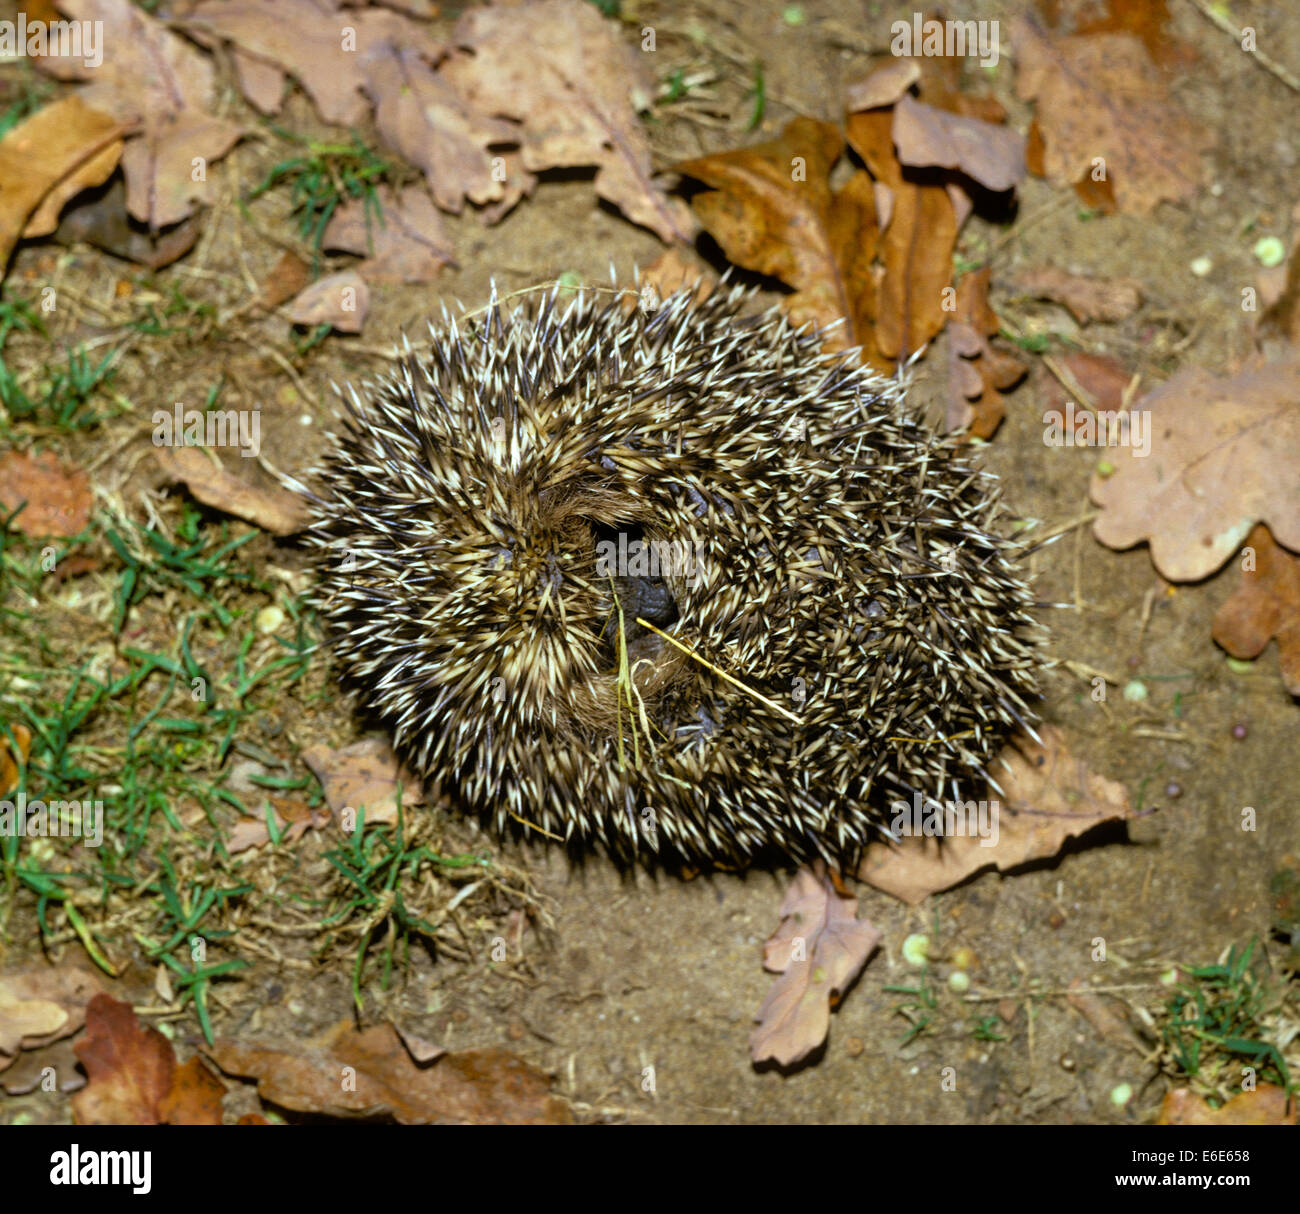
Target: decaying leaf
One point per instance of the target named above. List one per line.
(929, 137)
(274, 509)
(1088, 299)
(292, 818)
(349, 1073)
(562, 72)
(57, 495)
(165, 86)
(46, 159)
(1048, 796)
(1224, 455)
(772, 209)
(916, 248)
(10, 759)
(363, 774)
(1265, 606)
(133, 1076)
(817, 950)
(1266, 1105)
(405, 242)
(1104, 113)
(978, 371)
(100, 219)
(341, 301)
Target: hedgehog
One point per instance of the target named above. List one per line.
(671, 578)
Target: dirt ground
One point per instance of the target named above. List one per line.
(638, 970)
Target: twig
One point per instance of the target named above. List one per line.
(1265, 61)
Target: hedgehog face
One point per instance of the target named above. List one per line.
(843, 622)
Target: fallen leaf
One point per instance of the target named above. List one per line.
(1101, 100)
(977, 371)
(288, 276)
(818, 949)
(57, 495)
(100, 219)
(341, 301)
(293, 819)
(1148, 20)
(883, 87)
(130, 1067)
(324, 49)
(364, 774)
(161, 83)
(1265, 606)
(53, 154)
(1266, 1105)
(477, 1087)
(32, 1069)
(1102, 379)
(670, 272)
(916, 248)
(564, 74)
(21, 1018)
(1088, 299)
(1094, 1009)
(194, 1097)
(926, 136)
(1048, 796)
(406, 242)
(273, 509)
(9, 761)
(786, 221)
(1225, 455)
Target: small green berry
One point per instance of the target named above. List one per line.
(916, 950)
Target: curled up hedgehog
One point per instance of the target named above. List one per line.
(669, 578)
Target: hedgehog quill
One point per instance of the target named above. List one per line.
(673, 580)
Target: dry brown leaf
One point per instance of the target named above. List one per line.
(293, 819)
(1103, 379)
(1148, 20)
(916, 248)
(273, 509)
(1088, 299)
(1266, 1105)
(1049, 796)
(194, 1097)
(1100, 97)
(9, 761)
(1265, 606)
(565, 75)
(57, 495)
(818, 949)
(1225, 455)
(818, 242)
(407, 243)
(32, 1069)
(349, 1073)
(324, 49)
(56, 995)
(883, 87)
(365, 774)
(925, 136)
(670, 272)
(288, 276)
(100, 219)
(430, 122)
(130, 1067)
(163, 83)
(46, 159)
(341, 301)
(977, 371)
